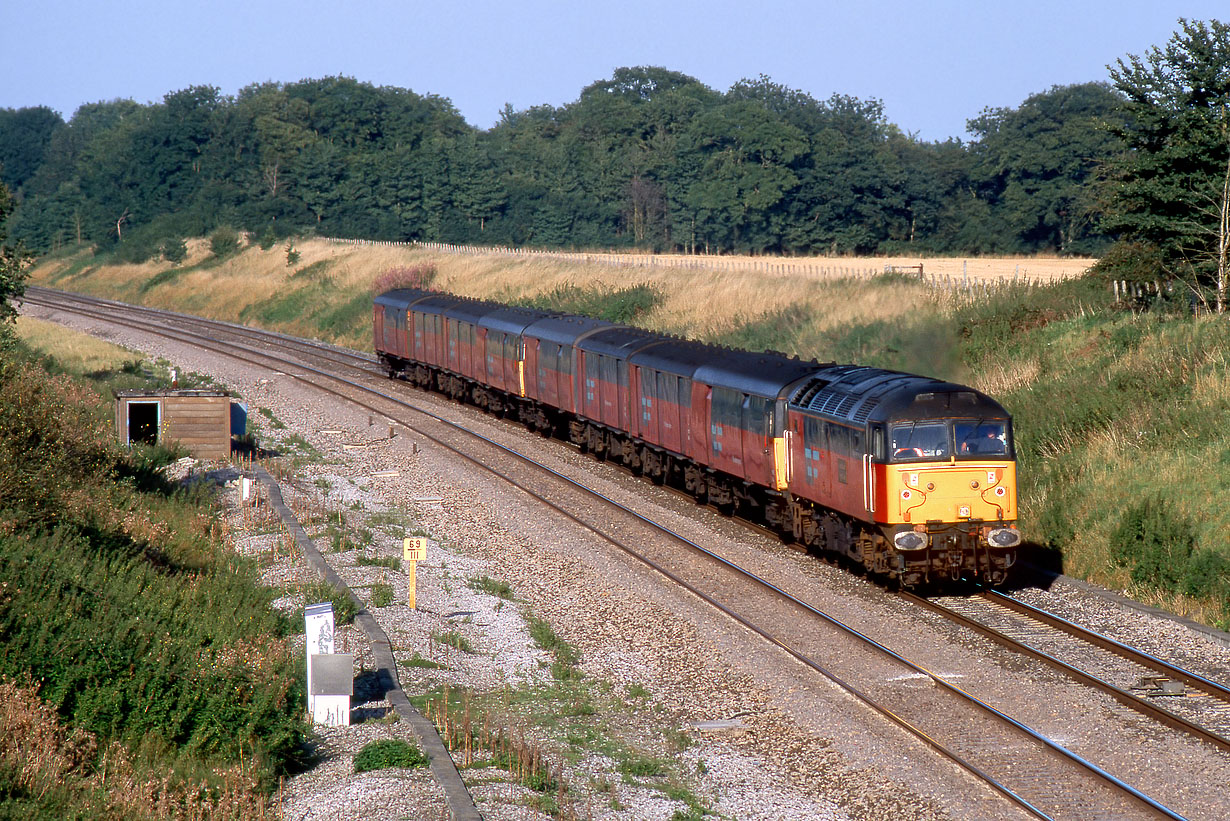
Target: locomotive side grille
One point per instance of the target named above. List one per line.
(831, 400)
(847, 402)
(864, 410)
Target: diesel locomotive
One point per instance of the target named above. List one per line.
(910, 478)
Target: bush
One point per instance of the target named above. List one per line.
(292, 256)
(382, 594)
(268, 238)
(389, 752)
(224, 242)
(174, 251)
(321, 591)
(1154, 543)
(600, 301)
(405, 276)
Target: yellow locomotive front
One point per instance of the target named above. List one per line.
(949, 498)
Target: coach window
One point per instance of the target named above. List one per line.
(668, 388)
(756, 418)
(610, 371)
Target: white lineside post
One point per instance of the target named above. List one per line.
(414, 550)
(332, 687)
(318, 631)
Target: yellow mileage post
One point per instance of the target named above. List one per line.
(414, 550)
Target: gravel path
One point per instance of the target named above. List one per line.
(733, 726)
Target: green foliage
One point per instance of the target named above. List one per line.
(1155, 543)
(492, 587)
(647, 159)
(567, 657)
(136, 626)
(387, 753)
(418, 661)
(391, 562)
(1036, 164)
(320, 591)
(13, 263)
(1167, 188)
(224, 242)
(268, 238)
(453, 639)
(174, 251)
(601, 301)
(382, 595)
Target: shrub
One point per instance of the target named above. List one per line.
(492, 587)
(405, 276)
(292, 256)
(382, 595)
(174, 251)
(1155, 543)
(224, 242)
(601, 301)
(321, 591)
(388, 752)
(455, 640)
(1131, 261)
(566, 656)
(268, 238)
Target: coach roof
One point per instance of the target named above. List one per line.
(401, 297)
(565, 329)
(764, 374)
(512, 320)
(619, 341)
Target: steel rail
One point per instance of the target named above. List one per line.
(1124, 697)
(1125, 651)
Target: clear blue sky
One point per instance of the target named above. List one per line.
(933, 63)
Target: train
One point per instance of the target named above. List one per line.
(906, 477)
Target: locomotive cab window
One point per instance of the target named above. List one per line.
(982, 437)
(916, 441)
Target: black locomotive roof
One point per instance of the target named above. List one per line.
(565, 329)
(857, 394)
(512, 320)
(402, 297)
(619, 341)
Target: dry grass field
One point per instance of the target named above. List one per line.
(702, 297)
(79, 352)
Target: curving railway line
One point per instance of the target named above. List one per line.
(1038, 774)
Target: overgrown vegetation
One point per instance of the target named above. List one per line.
(602, 301)
(123, 617)
(386, 753)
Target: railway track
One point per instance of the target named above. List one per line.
(1038, 774)
(1177, 698)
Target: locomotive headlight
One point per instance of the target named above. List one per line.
(1004, 537)
(910, 540)
(1001, 492)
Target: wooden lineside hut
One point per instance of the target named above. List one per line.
(199, 420)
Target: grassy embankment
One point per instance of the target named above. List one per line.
(144, 673)
(1122, 416)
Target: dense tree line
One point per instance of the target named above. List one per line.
(647, 159)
